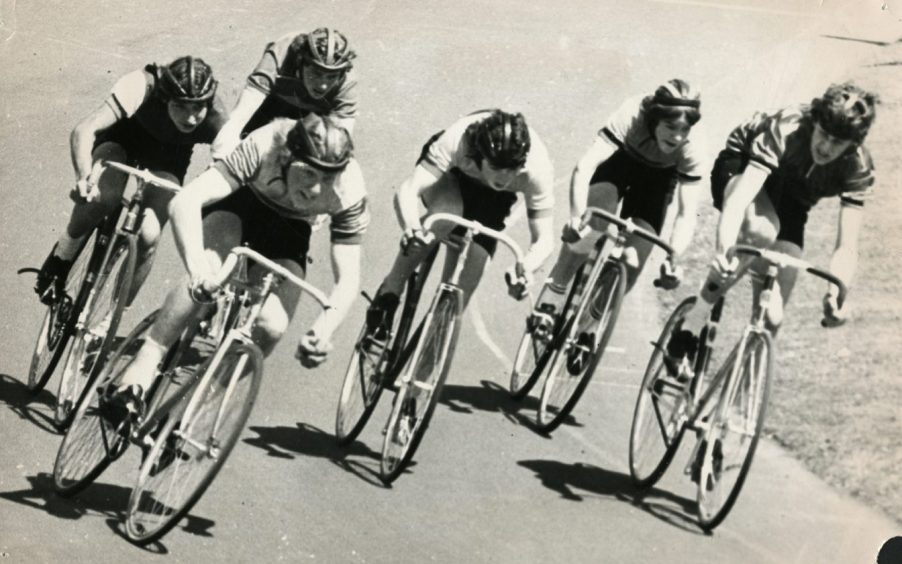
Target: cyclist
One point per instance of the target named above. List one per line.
(774, 169)
(474, 169)
(152, 119)
(647, 150)
(265, 195)
(298, 74)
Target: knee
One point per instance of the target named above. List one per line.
(759, 230)
(788, 248)
(271, 325)
(585, 245)
(150, 232)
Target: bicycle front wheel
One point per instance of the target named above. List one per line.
(192, 447)
(661, 412)
(421, 384)
(91, 443)
(587, 337)
(59, 321)
(93, 340)
(729, 443)
(362, 386)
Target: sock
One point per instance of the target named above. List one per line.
(141, 370)
(67, 247)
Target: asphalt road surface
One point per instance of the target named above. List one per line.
(484, 486)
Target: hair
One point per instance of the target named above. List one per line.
(845, 111)
(320, 142)
(501, 138)
(672, 100)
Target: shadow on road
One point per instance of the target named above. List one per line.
(493, 398)
(99, 500)
(577, 481)
(36, 409)
(287, 442)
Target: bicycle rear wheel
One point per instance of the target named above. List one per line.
(90, 443)
(371, 360)
(188, 453)
(59, 321)
(92, 341)
(661, 412)
(575, 361)
(423, 376)
(735, 427)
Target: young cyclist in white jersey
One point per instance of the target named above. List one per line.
(152, 119)
(265, 194)
(647, 151)
(774, 169)
(475, 168)
(298, 74)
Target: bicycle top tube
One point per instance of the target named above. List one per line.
(231, 262)
(145, 175)
(478, 229)
(626, 225)
(781, 260)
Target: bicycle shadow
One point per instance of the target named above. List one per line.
(494, 398)
(34, 408)
(303, 439)
(107, 501)
(571, 479)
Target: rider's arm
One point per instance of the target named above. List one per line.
(688, 195)
(187, 225)
(600, 151)
(82, 138)
(346, 270)
(747, 186)
(408, 194)
(845, 255)
(230, 135)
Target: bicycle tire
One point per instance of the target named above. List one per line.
(535, 362)
(756, 376)
(366, 373)
(648, 421)
(59, 320)
(150, 514)
(90, 445)
(92, 342)
(429, 367)
(563, 388)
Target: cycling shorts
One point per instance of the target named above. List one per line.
(792, 214)
(646, 191)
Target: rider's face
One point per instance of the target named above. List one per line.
(306, 183)
(498, 178)
(825, 147)
(186, 116)
(318, 81)
(671, 134)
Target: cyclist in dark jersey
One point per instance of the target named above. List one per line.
(298, 74)
(152, 119)
(774, 169)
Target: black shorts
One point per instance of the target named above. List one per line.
(792, 214)
(272, 107)
(646, 191)
(481, 203)
(242, 219)
(144, 151)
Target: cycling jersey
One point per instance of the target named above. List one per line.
(628, 129)
(258, 162)
(145, 130)
(780, 143)
(451, 151)
(277, 75)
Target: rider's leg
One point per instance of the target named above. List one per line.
(156, 214)
(443, 196)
